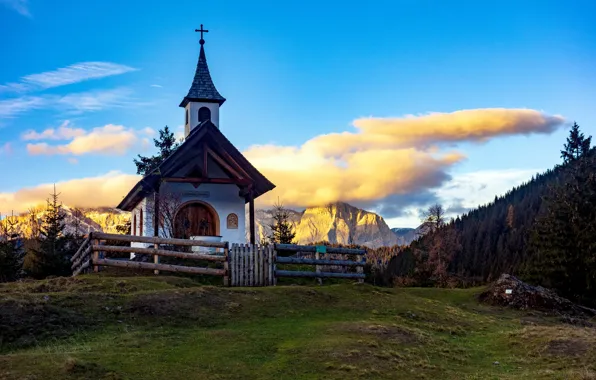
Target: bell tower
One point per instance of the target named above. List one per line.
(203, 100)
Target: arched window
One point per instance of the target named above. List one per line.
(134, 224)
(186, 117)
(204, 114)
(141, 223)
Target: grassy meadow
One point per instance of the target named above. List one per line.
(160, 327)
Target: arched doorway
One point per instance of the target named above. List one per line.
(196, 219)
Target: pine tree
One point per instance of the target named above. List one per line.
(282, 230)
(577, 145)
(50, 256)
(166, 145)
(11, 251)
(564, 235)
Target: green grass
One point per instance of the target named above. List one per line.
(102, 327)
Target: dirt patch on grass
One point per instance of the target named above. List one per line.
(567, 347)
(381, 332)
(83, 370)
(560, 341)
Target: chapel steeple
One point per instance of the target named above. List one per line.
(203, 100)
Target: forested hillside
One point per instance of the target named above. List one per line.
(543, 231)
(493, 238)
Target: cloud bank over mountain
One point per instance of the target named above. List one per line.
(385, 157)
(391, 165)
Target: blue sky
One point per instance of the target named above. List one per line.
(292, 72)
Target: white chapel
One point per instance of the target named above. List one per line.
(202, 189)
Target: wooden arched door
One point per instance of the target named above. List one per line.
(195, 219)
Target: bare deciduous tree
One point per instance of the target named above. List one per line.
(433, 218)
(169, 203)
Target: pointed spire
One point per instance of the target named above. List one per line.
(202, 88)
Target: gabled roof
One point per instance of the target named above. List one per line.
(205, 136)
(202, 88)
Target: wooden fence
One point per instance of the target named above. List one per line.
(323, 257)
(252, 265)
(88, 255)
(243, 264)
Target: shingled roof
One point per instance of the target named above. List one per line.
(202, 88)
(205, 133)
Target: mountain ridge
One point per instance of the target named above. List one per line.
(336, 223)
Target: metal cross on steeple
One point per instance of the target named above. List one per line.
(202, 41)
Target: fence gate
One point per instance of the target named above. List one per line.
(252, 265)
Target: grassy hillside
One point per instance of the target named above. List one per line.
(100, 327)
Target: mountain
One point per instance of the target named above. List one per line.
(407, 235)
(77, 219)
(336, 223)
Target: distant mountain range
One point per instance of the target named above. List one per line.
(336, 223)
(83, 220)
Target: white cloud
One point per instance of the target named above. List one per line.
(95, 100)
(11, 108)
(75, 103)
(109, 140)
(156, 86)
(63, 132)
(467, 191)
(78, 72)
(19, 6)
(470, 190)
(107, 190)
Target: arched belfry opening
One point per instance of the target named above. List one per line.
(204, 114)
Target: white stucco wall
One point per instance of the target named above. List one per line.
(147, 222)
(193, 109)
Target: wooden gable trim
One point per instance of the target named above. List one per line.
(233, 171)
(225, 181)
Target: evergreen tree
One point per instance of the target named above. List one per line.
(124, 229)
(11, 251)
(166, 145)
(282, 230)
(577, 145)
(564, 236)
(51, 255)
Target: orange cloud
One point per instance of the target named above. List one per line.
(109, 139)
(105, 190)
(385, 156)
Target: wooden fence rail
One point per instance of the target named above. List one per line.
(88, 256)
(243, 264)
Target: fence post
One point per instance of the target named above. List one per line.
(95, 256)
(156, 257)
(226, 278)
(274, 266)
(318, 250)
(360, 269)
